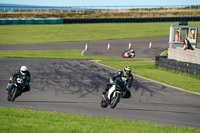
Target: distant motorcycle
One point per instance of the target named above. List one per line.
(16, 89)
(115, 93)
(128, 54)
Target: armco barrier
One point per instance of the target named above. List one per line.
(4, 21)
(129, 20)
(185, 67)
(7, 21)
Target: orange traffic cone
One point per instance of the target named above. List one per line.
(150, 45)
(108, 48)
(86, 46)
(129, 45)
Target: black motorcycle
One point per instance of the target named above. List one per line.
(16, 89)
(115, 93)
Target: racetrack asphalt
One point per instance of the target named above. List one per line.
(99, 48)
(74, 86)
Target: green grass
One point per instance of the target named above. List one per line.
(142, 66)
(17, 34)
(198, 45)
(42, 53)
(20, 120)
(164, 53)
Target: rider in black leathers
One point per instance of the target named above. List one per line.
(126, 73)
(25, 74)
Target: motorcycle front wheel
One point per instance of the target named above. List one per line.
(14, 94)
(10, 93)
(114, 101)
(9, 97)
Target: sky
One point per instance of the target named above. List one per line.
(101, 2)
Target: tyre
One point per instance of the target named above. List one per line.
(9, 94)
(103, 104)
(14, 94)
(9, 97)
(114, 101)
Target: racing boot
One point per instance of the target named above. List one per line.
(105, 91)
(104, 96)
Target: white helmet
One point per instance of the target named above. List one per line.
(23, 70)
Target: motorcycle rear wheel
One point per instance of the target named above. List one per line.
(103, 104)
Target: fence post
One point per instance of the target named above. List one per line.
(157, 61)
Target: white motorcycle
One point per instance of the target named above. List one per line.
(115, 93)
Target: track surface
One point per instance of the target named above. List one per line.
(74, 86)
(99, 48)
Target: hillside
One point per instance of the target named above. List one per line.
(44, 12)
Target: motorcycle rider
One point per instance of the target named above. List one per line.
(25, 74)
(132, 53)
(126, 74)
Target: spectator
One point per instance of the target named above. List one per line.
(192, 34)
(177, 36)
(187, 45)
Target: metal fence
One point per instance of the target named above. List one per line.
(184, 67)
(129, 20)
(6, 21)
(18, 8)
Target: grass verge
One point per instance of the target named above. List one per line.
(103, 13)
(198, 45)
(142, 66)
(20, 120)
(18, 34)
